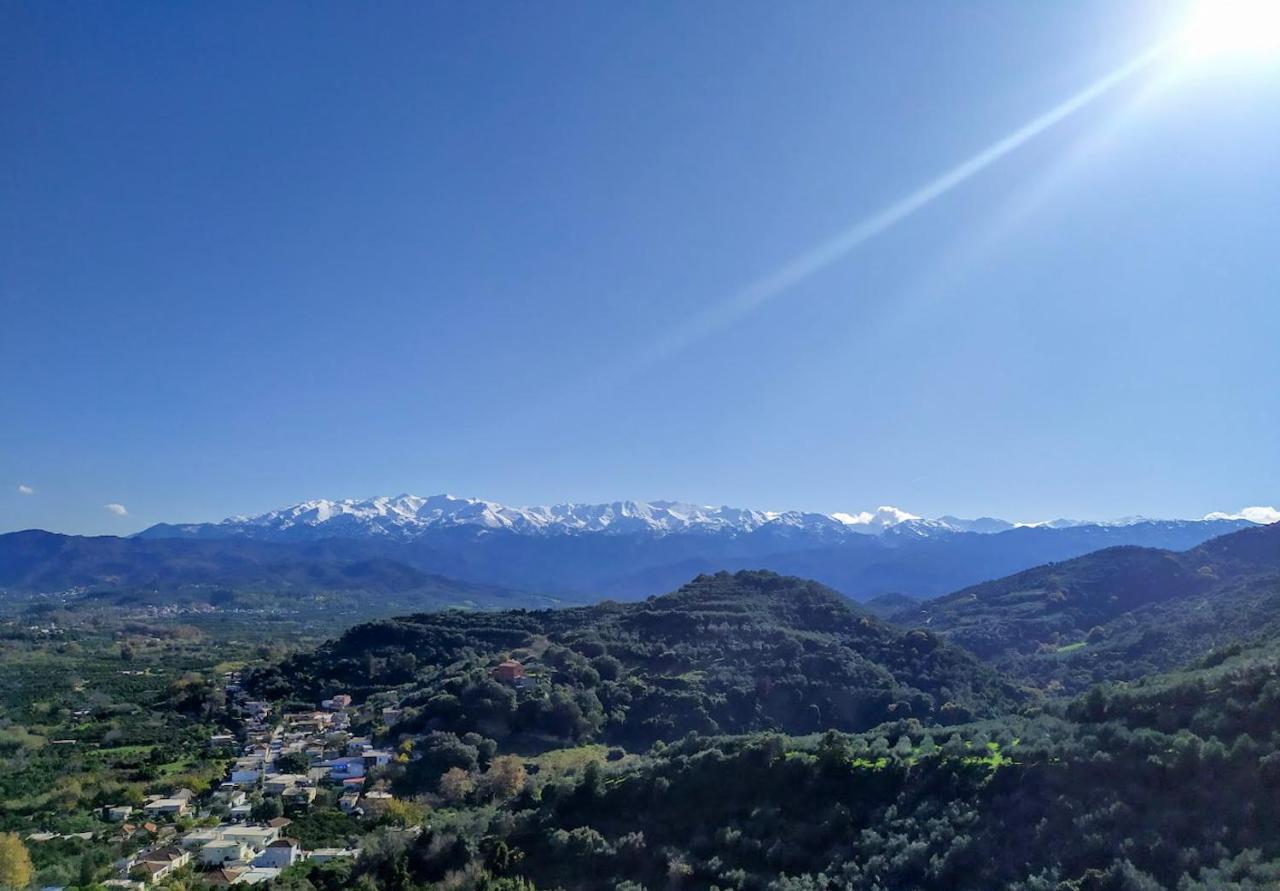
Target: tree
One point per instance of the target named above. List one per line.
(456, 785)
(293, 762)
(438, 752)
(833, 754)
(954, 747)
(267, 809)
(485, 748)
(582, 842)
(405, 813)
(91, 864)
(608, 667)
(196, 696)
(15, 863)
(505, 777)
(591, 787)
(441, 751)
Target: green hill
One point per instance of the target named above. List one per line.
(1116, 614)
(724, 654)
(1170, 783)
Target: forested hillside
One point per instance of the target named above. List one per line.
(1116, 614)
(1171, 783)
(728, 653)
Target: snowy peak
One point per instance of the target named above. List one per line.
(407, 517)
(886, 519)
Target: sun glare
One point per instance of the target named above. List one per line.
(1218, 28)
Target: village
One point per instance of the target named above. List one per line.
(269, 785)
(283, 762)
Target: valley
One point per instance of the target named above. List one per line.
(664, 742)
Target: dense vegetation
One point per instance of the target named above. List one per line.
(724, 654)
(1167, 784)
(1117, 614)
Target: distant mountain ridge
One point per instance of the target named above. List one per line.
(407, 517)
(177, 570)
(624, 550)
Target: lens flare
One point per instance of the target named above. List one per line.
(1235, 28)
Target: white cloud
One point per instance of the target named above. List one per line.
(883, 516)
(25, 490)
(1261, 515)
(117, 509)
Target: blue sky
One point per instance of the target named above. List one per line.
(252, 254)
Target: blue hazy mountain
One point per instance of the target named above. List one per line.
(629, 549)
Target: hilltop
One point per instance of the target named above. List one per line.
(726, 653)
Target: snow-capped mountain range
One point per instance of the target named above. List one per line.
(408, 517)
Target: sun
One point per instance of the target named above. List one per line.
(1217, 28)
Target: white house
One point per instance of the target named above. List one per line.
(256, 837)
(219, 853)
(168, 806)
(376, 757)
(281, 853)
